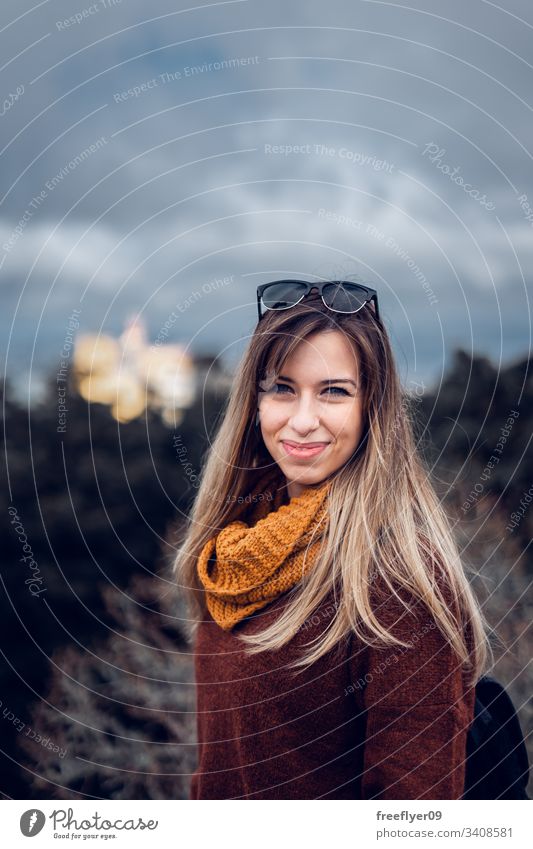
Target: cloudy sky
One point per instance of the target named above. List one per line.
(165, 158)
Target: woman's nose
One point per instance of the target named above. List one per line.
(305, 417)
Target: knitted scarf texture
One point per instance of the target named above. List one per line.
(253, 560)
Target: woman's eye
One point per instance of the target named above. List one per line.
(338, 389)
(333, 389)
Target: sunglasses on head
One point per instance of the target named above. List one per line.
(341, 296)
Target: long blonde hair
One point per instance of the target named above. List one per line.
(385, 520)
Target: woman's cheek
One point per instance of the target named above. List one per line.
(271, 416)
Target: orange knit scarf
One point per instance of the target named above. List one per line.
(248, 564)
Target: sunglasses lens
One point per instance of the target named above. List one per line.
(280, 296)
(343, 299)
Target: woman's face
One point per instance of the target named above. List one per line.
(312, 418)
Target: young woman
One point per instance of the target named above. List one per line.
(336, 638)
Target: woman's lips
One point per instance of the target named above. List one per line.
(293, 449)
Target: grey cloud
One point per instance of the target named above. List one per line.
(412, 79)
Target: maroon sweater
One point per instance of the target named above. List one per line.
(360, 723)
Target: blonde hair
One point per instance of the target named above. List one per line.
(397, 533)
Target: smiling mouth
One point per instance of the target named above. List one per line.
(303, 449)
(303, 444)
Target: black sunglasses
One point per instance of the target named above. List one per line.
(338, 295)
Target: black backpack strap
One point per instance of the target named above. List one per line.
(497, 765)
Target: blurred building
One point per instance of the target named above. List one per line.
(131, 375)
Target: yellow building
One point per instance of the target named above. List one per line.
(130, 375)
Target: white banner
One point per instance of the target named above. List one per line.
(246, 823)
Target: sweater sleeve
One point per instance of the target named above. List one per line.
(418, 709)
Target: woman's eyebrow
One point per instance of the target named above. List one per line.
(322, 382)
